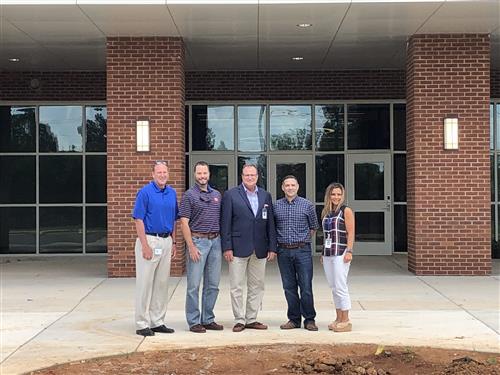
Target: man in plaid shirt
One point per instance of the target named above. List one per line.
(296, 222)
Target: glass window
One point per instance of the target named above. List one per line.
(260, 162)
(498, 179)
(60, 128)
(95, 178)
(17, 230)
(61, 179)
(368, 126)
(61, 230)
(498, 125)
(96, 124)
(18, 179)
(492, 177)
(17, 129)
(399, 177)
(213, 128)
(96, 229)
(329, 168)
(399, 127)
(329, 127)
(319, 233)
(219, 177)
(186, 129)
(295, 169)
(252, 128)
(369, 226)
(400, 229)
(369, 181)
(291, 127)
(492, 123)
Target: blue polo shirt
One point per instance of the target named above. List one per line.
(157, 208)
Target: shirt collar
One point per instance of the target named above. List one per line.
(251, 192)
(157, 188)
(197, 187)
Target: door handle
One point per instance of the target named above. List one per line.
(388, 203)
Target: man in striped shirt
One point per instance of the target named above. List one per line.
(296, 223)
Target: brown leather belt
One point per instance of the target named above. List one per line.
(210, 235)
(292, 245)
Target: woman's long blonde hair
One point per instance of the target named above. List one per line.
(329, 207)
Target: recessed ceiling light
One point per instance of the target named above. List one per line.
(297, 58)
(304, 25)
(14, 59)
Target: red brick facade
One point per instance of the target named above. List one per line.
(145, 79)
(448, 190)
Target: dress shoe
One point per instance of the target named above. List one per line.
(311, 326)
(145, 332)
(213, 326)
(238, 327)
(162, 329)
(256, 325)
(289, 325)
(197, 328)
(343, 327)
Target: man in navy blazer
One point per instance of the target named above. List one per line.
(248, 240)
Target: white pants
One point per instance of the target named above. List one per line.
(151, 283)
(254, 271)
(336, 274)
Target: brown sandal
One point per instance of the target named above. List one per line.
(343, 327)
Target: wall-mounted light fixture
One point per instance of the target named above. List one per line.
(451, 132)
(142, 135)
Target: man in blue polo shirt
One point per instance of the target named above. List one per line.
(296, 222)
(200, 215)
(155, 213)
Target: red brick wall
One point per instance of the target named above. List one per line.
(145, 79)
(448, 190)
(67, 86)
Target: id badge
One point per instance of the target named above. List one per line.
(328, 243)
(158, 251)
(264, 214)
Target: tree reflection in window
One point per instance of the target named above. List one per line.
(290, 127)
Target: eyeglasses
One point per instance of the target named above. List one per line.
(161, 162)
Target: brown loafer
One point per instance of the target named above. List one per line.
(311, 326)
(197, 328)
(256, 325)
(213, 326)
(238, 327)
(289, 325)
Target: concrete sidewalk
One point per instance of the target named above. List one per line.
(60, 309)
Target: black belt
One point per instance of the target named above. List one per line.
(209, 235)
(292, 245)
(162, 235)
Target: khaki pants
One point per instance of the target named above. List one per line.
(254, 271)
(151, 283)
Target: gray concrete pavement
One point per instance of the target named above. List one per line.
(60, 309)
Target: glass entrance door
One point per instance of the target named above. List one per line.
(298, 165)
(369, 196)
(222, 170)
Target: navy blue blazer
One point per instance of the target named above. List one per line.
(243, 232)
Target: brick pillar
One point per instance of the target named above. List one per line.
(145, 79)
(448, 190)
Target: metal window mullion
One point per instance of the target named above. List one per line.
(84, 184)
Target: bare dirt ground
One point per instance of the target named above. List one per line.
(290, 359)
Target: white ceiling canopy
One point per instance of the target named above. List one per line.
(62, 35)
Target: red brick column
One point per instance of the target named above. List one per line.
(448, 190)
(145, 79)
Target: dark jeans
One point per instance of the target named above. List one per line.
(296, 269)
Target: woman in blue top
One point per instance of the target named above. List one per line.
(338, 229)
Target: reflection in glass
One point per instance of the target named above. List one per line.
(17, 179)
(492, 134)
(61, 230)
(492, 177)
(186, 129)
(329, 168)
(219, 179)
(498, 180)
(95, 178)
(260, 162)
(60, 128)
(498, 126)
(369, 226)
(493, 226)
(400, 229)
(96, 229)
(399, 177)
(17, 129)
(295, 169)
(290, 127)
(319, 232)
(369, 181)
(252, 128)
(399, 127)
(96, 123)
(213, 128)
(329, 127)
(368, 126)
(60, 179)
(17, 230)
